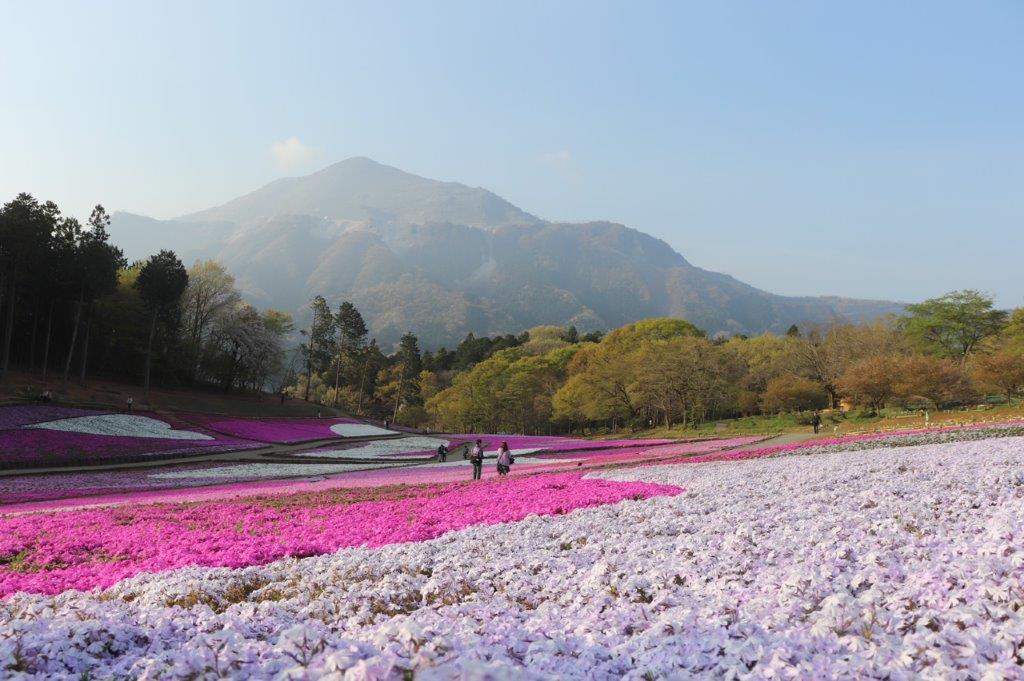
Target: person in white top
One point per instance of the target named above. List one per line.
(504, 459)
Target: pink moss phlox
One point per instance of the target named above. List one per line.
(83, 549)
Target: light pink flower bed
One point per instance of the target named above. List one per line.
(52, 552)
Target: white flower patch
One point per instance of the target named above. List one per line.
(267, 470)
(121, 425)
(897, 563)
(360, 430)
(380, 449)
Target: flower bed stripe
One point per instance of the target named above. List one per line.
(53, 552)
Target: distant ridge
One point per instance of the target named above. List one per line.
(443, 259)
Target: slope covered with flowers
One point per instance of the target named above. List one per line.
(288, 430)
(38, 436)
(881, 563)
(81, 549)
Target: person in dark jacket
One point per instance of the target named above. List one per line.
(442, 452)
(476, 457)
(816, 421)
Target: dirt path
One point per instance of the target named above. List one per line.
(781, 439)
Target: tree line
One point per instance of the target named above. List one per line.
(70, 303)
(949, 351)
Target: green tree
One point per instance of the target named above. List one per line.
(409, 364)
(352, 334)
(26, 227)
(211, 291)
(93, 270)
(161, 284)
(953, 325)
(318, 349)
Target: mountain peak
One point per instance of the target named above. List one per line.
(362, 189)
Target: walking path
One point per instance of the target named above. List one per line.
(781, 439)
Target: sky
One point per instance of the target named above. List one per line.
(867, 149)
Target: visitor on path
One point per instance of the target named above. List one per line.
(816, 422)
(387, 424)
(504, 460)
(442, 453)
(476, 457)
(130, 402)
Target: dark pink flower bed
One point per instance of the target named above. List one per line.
(27, 414)
(277, 431)
(23, 444)
(52, 552)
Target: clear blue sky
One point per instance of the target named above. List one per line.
(872, 149)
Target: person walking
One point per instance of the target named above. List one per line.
(476, 457)
(816, 422)
(130, 402)
(442, 452)
(504, 460)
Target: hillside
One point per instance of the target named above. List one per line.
(444, 259)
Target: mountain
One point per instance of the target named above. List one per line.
(443, 259)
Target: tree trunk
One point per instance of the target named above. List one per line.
(10, 322)
(309, 356)
(362, 383)
(74, 337)
(337, 376)
(398, 398)
(149, 356)
(85, 349)
(46, 344)
(35, 334)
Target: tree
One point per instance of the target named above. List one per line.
(211, 290)
(793, 393)
(162, 282)
(953, 325)
(823, 355)
(352, 334)
(870, 381)
(25, 237)
(937, 379)
(247, 345)
(94, 265)
(409, 365)
(319, 349)
(1003, 369)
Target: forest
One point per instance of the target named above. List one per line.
(72, 307)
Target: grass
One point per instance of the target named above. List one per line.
(22, 386)
(850, 422)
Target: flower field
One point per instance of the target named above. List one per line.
(376, 466)
(288, 430)
(887, 555)
(862, 559)
(88, 548)
(43, 436)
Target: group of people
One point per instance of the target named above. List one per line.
(476, 457)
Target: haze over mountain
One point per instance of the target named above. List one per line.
(443, 259)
